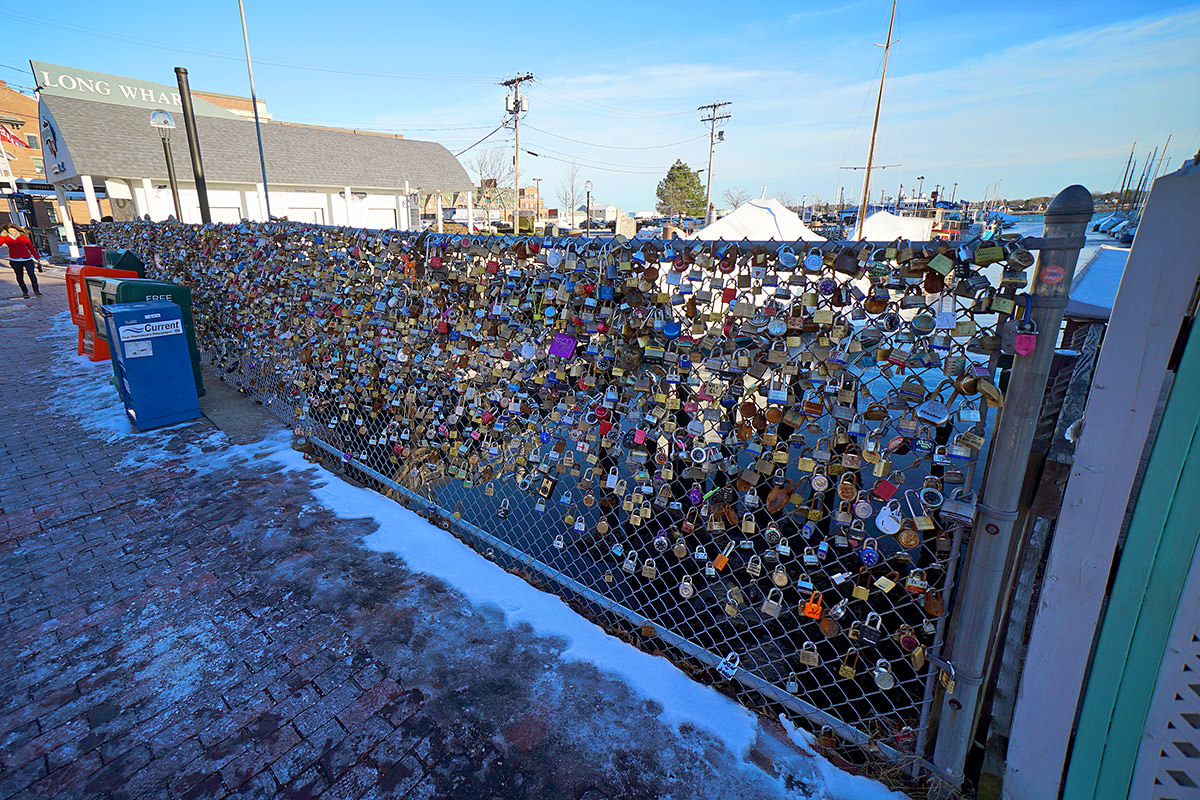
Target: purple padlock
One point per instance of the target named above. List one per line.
(563, 345)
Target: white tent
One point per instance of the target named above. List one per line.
(1095, 286)
(758, 220)
(884, 226)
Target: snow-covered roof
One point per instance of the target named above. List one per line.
(884, 226)
(1095, 286)
(759, 220)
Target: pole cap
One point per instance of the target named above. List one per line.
(1073, 201)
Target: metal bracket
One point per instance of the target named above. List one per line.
(1040, 301)
(995, 513)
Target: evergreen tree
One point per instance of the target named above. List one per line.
(680, 193)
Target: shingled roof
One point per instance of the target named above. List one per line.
(114, 141)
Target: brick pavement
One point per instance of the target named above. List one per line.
(175, 628)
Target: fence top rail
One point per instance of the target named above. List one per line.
(602, 244)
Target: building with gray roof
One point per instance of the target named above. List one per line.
(96, 134)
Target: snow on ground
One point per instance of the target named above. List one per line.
(83, 391)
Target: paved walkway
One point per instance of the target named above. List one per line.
(188, 621)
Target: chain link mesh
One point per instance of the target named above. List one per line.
(759, 453)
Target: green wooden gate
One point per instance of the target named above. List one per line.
(1142, 658)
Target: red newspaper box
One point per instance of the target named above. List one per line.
(93, 255)
(94, 347)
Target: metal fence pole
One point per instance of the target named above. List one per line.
(193, 137)
(978, 609)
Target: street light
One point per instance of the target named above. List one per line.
(162, 120)
(587, 187)
(920, 185)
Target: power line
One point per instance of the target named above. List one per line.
(612, 110)
(615, 146)
(596, 166)
(481, 141)
(588, 161)
(73, 28)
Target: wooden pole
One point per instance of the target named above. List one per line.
(862, 208)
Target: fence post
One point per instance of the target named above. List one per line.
(987, 573)
(1143, 330)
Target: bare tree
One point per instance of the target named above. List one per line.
(734, 196)
(570, 194)
(492, 169)
(786, 199)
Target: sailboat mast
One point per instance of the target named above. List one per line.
(862, 208)
(1126, 176)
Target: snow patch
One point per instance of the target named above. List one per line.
(82, 391)
(429, 549)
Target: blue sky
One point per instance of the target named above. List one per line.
(1036, 95)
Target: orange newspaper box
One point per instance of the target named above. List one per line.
(78, 300)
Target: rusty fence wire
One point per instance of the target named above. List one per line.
(758, 456)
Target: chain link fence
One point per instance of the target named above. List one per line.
(757, 456)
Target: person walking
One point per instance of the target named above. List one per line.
(22, 255)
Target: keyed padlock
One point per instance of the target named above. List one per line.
(872, 630)
(773, 604)
(1019, 336)
(849, 666)
(728, 666)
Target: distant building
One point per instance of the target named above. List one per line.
(531, 204)
(95, 130)
(21, 147)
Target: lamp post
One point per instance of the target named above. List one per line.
(162, 120)
(920, 186)
(587, 222)
(537, 198)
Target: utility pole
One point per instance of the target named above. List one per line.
(515, 105)
(887, 47)
(537, 200)
(713, 118)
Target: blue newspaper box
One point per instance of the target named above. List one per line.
(152, 362)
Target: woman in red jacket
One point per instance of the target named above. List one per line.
(22, 255)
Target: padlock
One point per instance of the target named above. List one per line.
(732, 606)
(754, 567)
(849, 667)
(807, 655)
(773, 605)
(728, 666)
(881, 673)
(722, 558)
(916, 583)
(1019, 336)
(812, 607)
(872, 630)
(862, 585)
(649, 571)
(959, 507)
